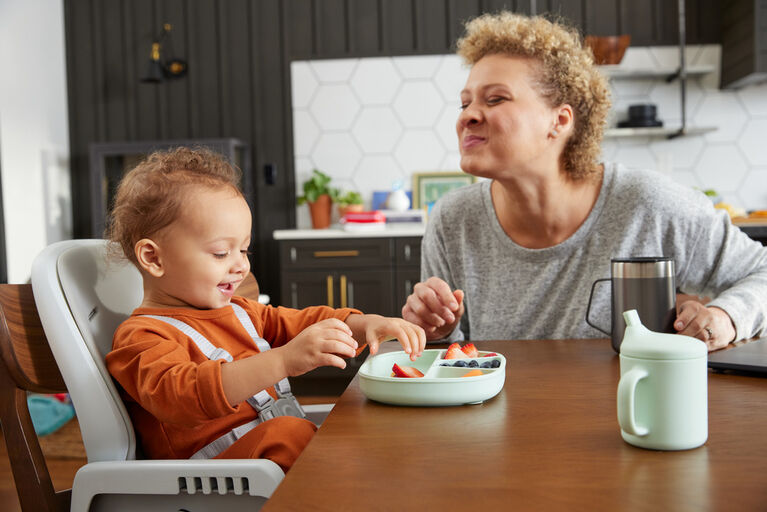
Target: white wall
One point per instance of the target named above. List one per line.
(34, 131)
(369, 122)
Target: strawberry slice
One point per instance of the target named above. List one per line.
(454, 352)
(473, 373)
(488, 354)
(470, 350)
(405, 371)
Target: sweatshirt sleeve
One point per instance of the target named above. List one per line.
(728, 265)
(154, 366)
(279, 325)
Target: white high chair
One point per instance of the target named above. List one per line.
(81, 299)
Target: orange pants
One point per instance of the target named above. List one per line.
(281, 440)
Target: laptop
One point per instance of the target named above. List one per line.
(749, 357)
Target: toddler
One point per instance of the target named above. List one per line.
(204, 371)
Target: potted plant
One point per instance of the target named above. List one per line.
(349, 201)
(317, 193)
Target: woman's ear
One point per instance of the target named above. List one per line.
(148, 257)
(565, 120)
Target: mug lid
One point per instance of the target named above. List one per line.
(641, 343)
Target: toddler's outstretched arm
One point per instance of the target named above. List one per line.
(373, 329)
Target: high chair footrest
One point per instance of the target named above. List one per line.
(254, 477)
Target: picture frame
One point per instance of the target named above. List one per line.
(428, 187)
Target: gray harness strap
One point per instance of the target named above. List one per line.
(267, 408)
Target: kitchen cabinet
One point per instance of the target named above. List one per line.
(744, 43)
(356, 273)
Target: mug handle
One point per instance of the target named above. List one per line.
(627, 402)
(588, 308)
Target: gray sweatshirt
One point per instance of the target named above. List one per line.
(512, 292)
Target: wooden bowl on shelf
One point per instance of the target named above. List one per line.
(607, 49)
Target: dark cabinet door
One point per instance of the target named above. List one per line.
(405, 279)
(301, 289)
(370, 291)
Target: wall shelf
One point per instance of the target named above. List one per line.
(670, 74)
(618, 72)
(661, 131)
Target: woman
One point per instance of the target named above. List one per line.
(514, 256)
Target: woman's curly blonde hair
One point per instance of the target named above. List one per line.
(567, 75)
(150, 196)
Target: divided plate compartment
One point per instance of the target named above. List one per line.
(440, 385)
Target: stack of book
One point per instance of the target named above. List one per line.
(364, 221)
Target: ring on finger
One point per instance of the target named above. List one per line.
(709, 332)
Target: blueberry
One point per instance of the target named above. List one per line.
(496, 363)
(473, 364)
(445, 364)
(460, 364)
(486, 364)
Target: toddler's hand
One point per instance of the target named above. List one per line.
(325, 343)
(374, 329)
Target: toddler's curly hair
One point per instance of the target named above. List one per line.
(566, 75)
(150, 196)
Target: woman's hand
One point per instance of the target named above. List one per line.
(373, 329)
(710, 324)
(434, 307)
(326, 343)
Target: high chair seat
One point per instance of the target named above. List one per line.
(81, 298)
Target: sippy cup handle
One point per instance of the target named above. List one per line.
(627, 402)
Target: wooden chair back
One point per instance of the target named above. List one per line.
(26, 364)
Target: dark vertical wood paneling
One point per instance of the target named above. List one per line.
(301, 28)
(78, 19)
(398, 26)
(431, 17)
(568, 11)
(145, 29)
(237, 61)
(601, 17)
(331, 27)
(204, 68)
(700, 28)
(98, 69)
(519, 6)
(131, 71)
(365, 27)
(175, 93)
(114, 79)
(459, 12)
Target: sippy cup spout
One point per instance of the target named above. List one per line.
(632, 318)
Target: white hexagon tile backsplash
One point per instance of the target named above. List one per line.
(370, 123)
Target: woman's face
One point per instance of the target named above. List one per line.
(505, 125)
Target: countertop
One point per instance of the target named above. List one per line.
(336, 231)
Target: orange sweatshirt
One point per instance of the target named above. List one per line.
(174, 393)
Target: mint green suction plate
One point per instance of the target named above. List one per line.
(440, 385)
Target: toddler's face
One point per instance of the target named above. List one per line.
(205, 250)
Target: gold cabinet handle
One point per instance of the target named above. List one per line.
(329, 284)
(336, 254)
(343, 291)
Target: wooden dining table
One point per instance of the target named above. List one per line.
(548, 441)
